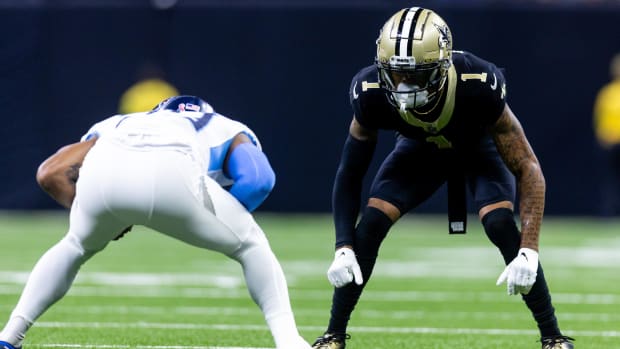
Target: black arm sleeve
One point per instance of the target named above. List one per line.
(346, 195)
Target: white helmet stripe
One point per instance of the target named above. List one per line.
(405, 34)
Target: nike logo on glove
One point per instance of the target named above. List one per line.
(524, 256)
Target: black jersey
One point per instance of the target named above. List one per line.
(473, 99)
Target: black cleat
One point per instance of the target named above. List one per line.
(557, 342)
(331, 341)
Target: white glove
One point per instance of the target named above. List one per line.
(520, 274)
(344, 268)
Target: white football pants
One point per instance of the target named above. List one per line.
(165, 190)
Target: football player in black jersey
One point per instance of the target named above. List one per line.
(453, 126)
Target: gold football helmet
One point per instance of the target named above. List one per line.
(414, 53)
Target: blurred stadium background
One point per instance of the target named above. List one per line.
(281, 64)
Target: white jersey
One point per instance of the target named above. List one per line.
(206, 136)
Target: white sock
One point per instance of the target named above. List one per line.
(267, 285)
(15, 330)
(285, 337)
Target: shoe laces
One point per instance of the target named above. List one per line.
(549, 342)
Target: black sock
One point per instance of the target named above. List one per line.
(539, 302)
(369, 234)
(502, 230)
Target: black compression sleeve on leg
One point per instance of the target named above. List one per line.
(346, 195)
(502, 230)
(369, 235)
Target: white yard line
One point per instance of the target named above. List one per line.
(79, 290)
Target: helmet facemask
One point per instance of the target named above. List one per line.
(412, 86)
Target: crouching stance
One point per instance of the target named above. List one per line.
(166, 169)
(453, 125)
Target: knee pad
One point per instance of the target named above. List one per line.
(501, 228)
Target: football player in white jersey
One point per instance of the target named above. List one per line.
(180, 169)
